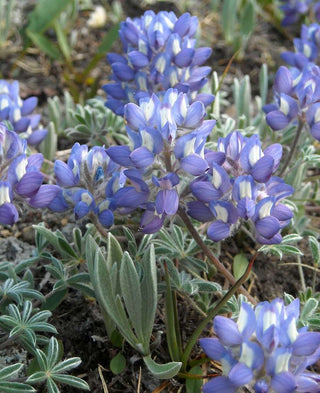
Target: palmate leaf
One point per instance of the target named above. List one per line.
(17, 291)
(23, 323)
(52, 370)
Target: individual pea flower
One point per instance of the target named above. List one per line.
(297, 96)
(263, 350)
(92, 183)
(159, 53)
(167, 140)
(19, 113)
(239, 186)
(294, 9)
(306, 47)
(20, 178)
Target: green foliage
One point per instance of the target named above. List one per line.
(7, 386)
(118, 363)
(96, 123)
(309, 306)
(127, 293)
(194, 385)
(52, 371)
(6, 8)
(176, 243)
(238, 23)
(24, 322)
(284, 247)
(240, 264)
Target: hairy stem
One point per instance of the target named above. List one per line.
(215, 261)
(215, 311)
(292, 148)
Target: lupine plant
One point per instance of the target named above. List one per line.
(294, 9)
(19, 112)
(159, 53)
(20, 178)
(158, 189)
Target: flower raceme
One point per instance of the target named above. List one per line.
(20, 178)
(263, 350)
(92, 183)
(167, 140)
(19, 113)
(294, 9)
(297, 96)
(239, 186)
(306, 47)
(159, 53)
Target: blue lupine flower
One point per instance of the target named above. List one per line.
(19, 112)
(159, 53)
(167, 138)
(306, 47)
(297, 96)
(20, 178)
(263, 350)
(239, 186)
(92, 183)
(294, 9)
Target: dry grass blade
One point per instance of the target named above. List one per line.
(104, 385)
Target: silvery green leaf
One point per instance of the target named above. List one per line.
(52, 386)
(271, 249)
(49, 145)
(71, 381)
(38, 376)
(114, 251)
(309, 308)
(288, 298)
(162, 371)
(290, 250)
(15, 387)
(293, 237)
(173, 273)
(216, 91)
(229, 12)
(66, 365)
(103, 288)
(149, 292)
(8, 371)
(315, 249)
(207, 286)
(247, 19)
(52, 353)
(263, 83)
(131, 293)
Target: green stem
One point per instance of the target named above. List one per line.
(292, 148)
(214, 312)
(303, 282)
(220, 267)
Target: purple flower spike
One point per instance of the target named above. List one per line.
(19, 112)
(255, 355)
(20, 176)
(159, 53)
(239, 184)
